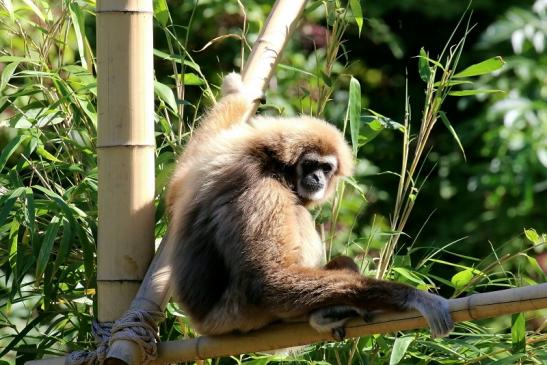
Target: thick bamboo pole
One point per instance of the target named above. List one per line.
(154, 293)
(125, 152)
(474, 307)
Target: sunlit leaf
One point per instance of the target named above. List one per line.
(354, 110)
(482, 68)
(357, 11)
(161, 11)
(423, 66)
(192, 79)
(45, 154)
(518, 333)
(165, 94)
(461, 279)
(400, 346)
(474, 92)
(7, 73)
(78, 22)
(533, 236)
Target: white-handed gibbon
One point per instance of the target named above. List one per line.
(246, 252)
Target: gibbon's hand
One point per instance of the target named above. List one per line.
(233, 84)
(435, 310)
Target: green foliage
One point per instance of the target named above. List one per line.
(48, 178)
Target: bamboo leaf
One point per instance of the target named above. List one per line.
(474, 92)
(354, 110)
(192, 79)
(8, 203)
(9, 7)
(161, 11)
(518, 333)
(64, 246)
(446, 122)
(533, 236)
(10, 149)
(45, 154)
(46, 247)
(400, 346)
(30, 211)
(165, 94)
(482, 68)
(78, 23)
(453, 83)
(423, 66)
(461, 279)
(7, 73)
(357, 11)
(35, 9)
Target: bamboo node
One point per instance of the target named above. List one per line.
(469, 307)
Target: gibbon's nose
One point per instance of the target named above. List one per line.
(316, 178)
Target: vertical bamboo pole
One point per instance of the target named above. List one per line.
(125, 151)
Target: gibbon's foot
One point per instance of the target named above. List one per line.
(233, 84)
(339, 333)
(333, 319)
(367, 316)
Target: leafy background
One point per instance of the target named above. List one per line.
(477, 224)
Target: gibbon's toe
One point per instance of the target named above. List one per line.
(339, 333)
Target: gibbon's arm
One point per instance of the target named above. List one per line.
(296, 291)
(231, 108)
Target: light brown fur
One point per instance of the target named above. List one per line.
(247, 253)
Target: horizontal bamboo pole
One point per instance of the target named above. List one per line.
(473, 307)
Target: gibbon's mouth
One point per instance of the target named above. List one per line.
(311, 191)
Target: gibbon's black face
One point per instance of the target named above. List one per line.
(313, 174)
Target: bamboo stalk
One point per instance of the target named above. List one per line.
(125, 152)
(473, 307)
(270, 43)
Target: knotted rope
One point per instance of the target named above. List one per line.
(135, 325)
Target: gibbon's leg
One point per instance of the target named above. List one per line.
(334, 319)
(296, 291)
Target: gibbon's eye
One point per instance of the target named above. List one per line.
(327, 168)
(309, 166)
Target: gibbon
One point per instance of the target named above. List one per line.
(246, 252)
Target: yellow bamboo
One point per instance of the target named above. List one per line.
(154, 293)
(125, 150)
(473, 307)
(275, 34)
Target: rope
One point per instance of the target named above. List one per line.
(136, 325)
